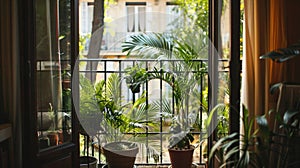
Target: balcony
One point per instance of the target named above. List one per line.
(158, 93)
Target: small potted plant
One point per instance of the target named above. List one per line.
(180, 148)
(120, 119)
(52, 133)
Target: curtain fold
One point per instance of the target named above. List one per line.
(264, 30)
(255, 44)
(278, 39)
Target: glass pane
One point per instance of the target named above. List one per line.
(223, 82)
(53, 72)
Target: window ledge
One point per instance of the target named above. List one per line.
(5, 131)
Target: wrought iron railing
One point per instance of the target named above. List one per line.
(157, 90)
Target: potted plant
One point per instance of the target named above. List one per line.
(180, 142)
(122, 119)
(286, 131)
(134, 77)
(115, 121)
(177, 75)
(120, 154)
(180, 148)
(236, 150)
(66, 79)
(254, 147)
(53, 133)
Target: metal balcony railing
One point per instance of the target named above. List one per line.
(158, 91)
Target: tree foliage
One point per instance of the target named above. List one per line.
(196, 11)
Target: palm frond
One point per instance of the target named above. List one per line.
(113, 85)
(283, 54)
(164, 106)
(150, 45)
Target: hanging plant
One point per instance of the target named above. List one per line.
(135, 76)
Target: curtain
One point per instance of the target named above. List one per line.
(130, 19)
(264, 30)
(255, 44)
(9, 76)
(278, 39)
(142, 19)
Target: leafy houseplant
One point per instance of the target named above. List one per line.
(252, 148)
(114, 120)
(178, 75)
(180, 148)
(288, 111)
(236, 150)
(257, 146)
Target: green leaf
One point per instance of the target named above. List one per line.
(288, 115)
(275, 87)
(263, 125)
(283, 54)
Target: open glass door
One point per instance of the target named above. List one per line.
(53, 72)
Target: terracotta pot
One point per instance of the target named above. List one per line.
(66, 84)
(181, 158)
(53, 138)
(119, 158)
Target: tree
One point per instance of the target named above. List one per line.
(196, 12)
(96, 38)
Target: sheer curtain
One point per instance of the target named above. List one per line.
(264, 30)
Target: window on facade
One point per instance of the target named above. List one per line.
(136, 18)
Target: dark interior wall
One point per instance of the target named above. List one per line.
(293, 35)
(5, 59)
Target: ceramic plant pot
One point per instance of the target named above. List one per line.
(181, 158)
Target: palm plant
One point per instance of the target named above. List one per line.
(257, 145)
(165, 46)
(182, 122)
(183, 77)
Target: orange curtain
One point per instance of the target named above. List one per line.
(255, 44)
(278, 39)
(264, 30)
